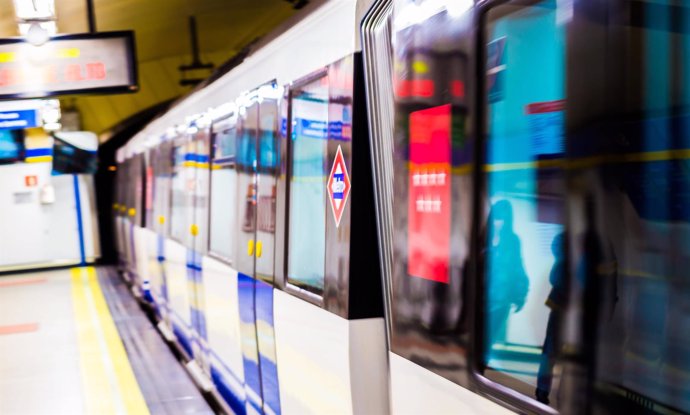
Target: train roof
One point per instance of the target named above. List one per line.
(322, 33)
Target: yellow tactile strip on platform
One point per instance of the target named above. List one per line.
(108, 382)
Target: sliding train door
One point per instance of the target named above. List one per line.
(221, 311)
(258, 164)
(424, 138)
(178, 270)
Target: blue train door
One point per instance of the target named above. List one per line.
(258, 166)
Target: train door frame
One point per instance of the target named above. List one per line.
(345, 300)
(178, 257)
(257, 276)
(221, 278)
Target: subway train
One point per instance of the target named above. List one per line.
(427, 206)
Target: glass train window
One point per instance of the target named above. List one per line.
(269, 156)
(307, 181)
(161, 163)
(179, 209)
(630, 219)
(522, 255)
(224, 190)
(269, 159)
(432, 185)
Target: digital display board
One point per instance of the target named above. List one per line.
(101, 63)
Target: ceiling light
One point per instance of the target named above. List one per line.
(50, 27)
(31, 10)
(36, 35)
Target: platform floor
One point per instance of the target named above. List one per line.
(76, 342)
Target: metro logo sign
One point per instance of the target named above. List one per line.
(338, 186)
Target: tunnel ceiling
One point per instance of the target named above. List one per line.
(163, 43)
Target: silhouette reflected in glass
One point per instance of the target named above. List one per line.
(556, 302)
(507, 280)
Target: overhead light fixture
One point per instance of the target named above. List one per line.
(50, 27)
(37, 35)
(34, 10)
(36, 19)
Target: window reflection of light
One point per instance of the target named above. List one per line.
(564, 11)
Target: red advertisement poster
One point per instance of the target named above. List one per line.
(429, 210)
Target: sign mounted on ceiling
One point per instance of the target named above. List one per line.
(15, 120)
(103, 63)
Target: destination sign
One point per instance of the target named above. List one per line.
(71, 64)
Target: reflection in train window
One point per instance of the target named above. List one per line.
(269, 158)
(523, 235)
(307, 213)
(268, 139)
(432, 187)
(630, 223)
(246, 166)
(223, 191)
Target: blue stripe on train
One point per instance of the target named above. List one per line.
(269, 370)
(252, 375)
(236, 403)
(184, 341)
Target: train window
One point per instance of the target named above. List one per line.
(223, 190)
(307, 181)
(432, 186)
(179, 209)
(161, 162)
(629, 216)
(269, 157)
(522, 256)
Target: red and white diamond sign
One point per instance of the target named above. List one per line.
(338, 186)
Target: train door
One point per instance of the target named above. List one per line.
(199, 239)
(328, 315)
(258, 162)
(138, 240)
(426, 152)
(161, 163)
(178, 271)
(118, 209)
(220, 275)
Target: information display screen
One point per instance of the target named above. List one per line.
(72, 64)
(11, 145)
(429, 207)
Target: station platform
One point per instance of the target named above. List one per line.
(75, 341)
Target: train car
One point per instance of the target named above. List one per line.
(530, 182)
(526, 165)
(245, 213)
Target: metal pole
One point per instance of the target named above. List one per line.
(196, 59)
(91, 14)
